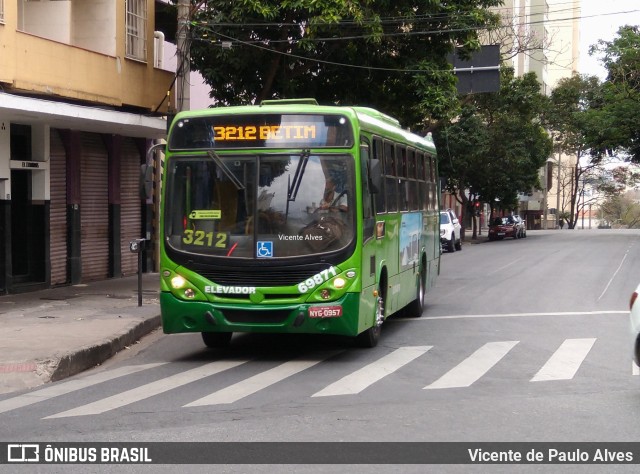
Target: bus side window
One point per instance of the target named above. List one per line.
(368, 220)
(391, 176)
(403, 184)
(380, 196)
(422, 187)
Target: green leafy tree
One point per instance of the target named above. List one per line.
(497, 144)
(615, 126)
(390, 55)
(574, 109)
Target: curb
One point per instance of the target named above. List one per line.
(87, 357)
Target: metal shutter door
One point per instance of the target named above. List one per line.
(130, 209)
(58, 210)
(94, 208)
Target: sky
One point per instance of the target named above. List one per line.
(601, 20)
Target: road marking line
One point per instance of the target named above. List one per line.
(614, 273)
(69, 386)
(357, 381)
(507, 315)
(150, 389)
(262, 380)
(565, 362)
(497, 270)
(474, 366)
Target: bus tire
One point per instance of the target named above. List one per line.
(416, 307)
(370, 337)
(216, 340)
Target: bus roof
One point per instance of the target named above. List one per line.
(368, 118)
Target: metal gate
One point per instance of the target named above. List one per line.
(58, 210)
(94, 208)
(130, 201)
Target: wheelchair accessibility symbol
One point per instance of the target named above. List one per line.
(265, 248)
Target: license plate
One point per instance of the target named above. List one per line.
(500, 233)
(325, 311)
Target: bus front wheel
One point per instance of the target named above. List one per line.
(371, 336)
(216, 340)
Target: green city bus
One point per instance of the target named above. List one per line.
(292, 217)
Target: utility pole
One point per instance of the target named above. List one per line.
(558, 194)
(183, 69)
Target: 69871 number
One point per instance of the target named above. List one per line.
(317, 279)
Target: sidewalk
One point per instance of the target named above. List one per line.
(52, 334)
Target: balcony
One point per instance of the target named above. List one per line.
(77, 50)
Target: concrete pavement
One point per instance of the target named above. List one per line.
(52, 334)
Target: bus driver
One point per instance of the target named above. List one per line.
(332, 201)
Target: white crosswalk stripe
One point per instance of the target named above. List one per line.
(70, 386)
(475, 366)
(150, 389)
(565, 362)
(263, 380)
(357, 381)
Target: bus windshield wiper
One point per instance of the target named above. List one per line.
(297, 176)
(228, 173)
(292, 192)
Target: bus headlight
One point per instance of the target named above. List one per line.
(339, 283)
(189, 293)
(178, 282)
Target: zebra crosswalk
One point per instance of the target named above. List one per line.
(563, 364)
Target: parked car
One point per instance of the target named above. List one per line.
(634, 307)
(522, 226)
(501, 227)
(450, 231)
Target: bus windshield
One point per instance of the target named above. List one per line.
(259, 206)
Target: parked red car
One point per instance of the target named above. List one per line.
(502, 227)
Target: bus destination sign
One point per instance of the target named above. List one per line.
(261, 131)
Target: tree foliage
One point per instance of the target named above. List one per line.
(615, 125)
(386, 54)
(497, 145)
(622, 210)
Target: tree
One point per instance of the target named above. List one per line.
(388, 55)
(497, 145)
(615, 127)
(573, 110)
(622, 210)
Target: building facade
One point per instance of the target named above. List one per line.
(81, 101)
(552, 29)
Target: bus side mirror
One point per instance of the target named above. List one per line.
(375, 176)
(146, 181)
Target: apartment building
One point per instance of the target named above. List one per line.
(549, 39)
(81, 100)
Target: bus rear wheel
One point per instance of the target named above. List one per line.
(416, 307)
(216, 340)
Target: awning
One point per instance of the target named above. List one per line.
(28, 111)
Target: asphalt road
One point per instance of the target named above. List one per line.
(521, 340)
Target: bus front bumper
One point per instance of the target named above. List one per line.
(337, 317)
